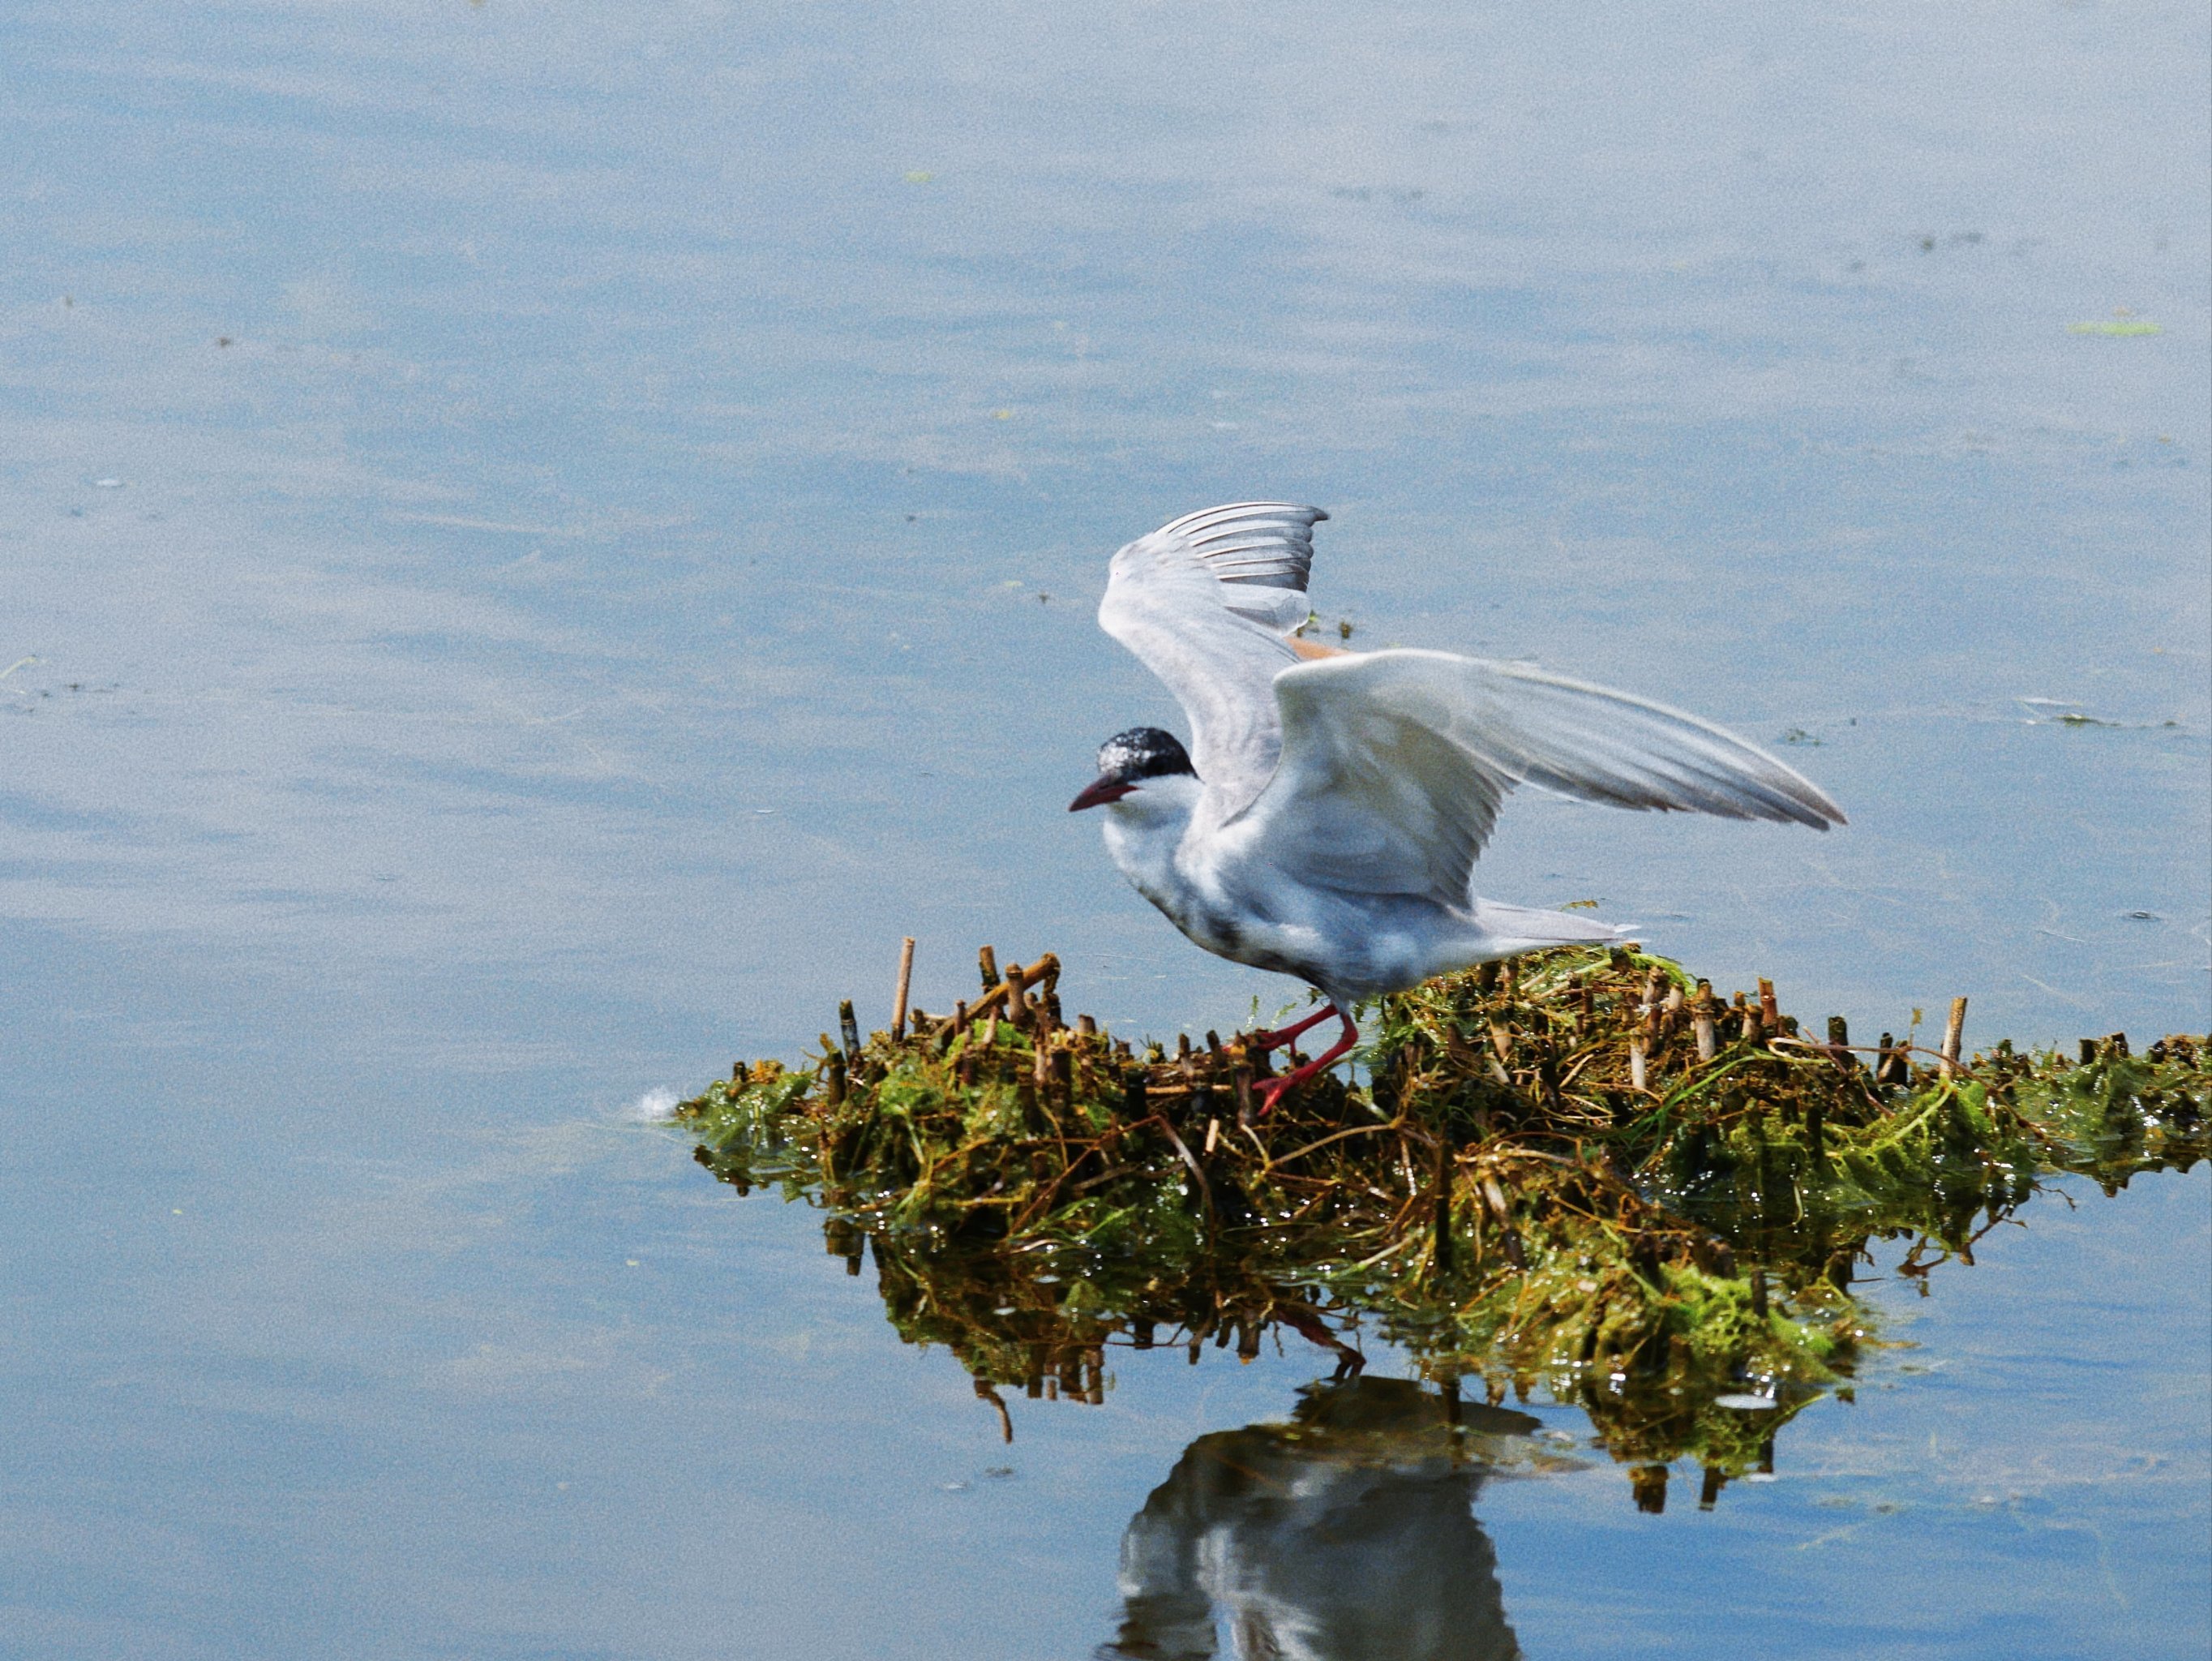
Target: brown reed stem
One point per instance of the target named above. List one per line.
(905, 985)
(1954, 1030)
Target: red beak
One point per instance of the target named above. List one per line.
(1098, 792)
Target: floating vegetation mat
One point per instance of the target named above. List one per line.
(1581, 1173)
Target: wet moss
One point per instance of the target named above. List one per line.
(1582, 1173)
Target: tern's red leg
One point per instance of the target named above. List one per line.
(1275, 1090)
(1275, 1040)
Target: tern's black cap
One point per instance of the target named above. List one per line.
(1143, 752)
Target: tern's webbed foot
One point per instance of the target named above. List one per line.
(1275, 1090)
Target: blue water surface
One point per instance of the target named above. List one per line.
(537, 541)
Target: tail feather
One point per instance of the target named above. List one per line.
(1523, 929)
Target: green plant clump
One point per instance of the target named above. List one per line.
(1581, 1173)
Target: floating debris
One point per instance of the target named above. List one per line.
(1581, 1172)
(2121, 327)
(2056, 712)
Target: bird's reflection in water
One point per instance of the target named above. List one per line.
(1347, 1535)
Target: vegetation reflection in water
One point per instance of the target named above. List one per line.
(1582, 1173)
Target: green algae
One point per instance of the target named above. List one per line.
(1582, 1173)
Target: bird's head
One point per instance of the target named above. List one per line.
(1141, 760)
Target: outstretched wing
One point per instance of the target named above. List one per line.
(1206, 602)
(1394, 765)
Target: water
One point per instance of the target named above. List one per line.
(632, 561)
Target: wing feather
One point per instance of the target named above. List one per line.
(1205, 603)
(1394, 765)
